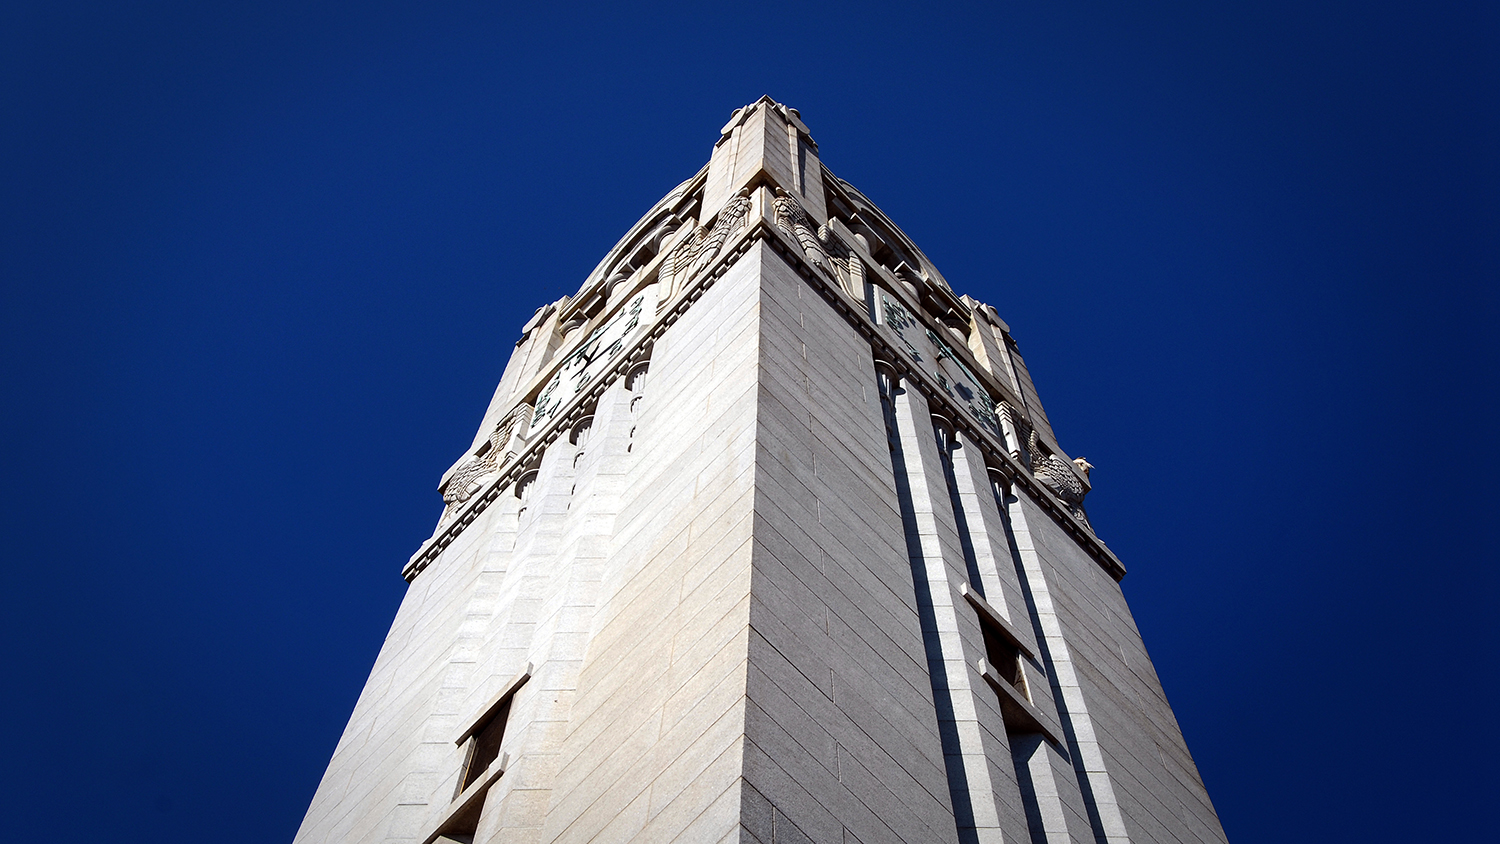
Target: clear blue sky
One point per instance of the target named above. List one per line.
(261, 266)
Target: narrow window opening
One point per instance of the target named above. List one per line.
(1005, 658)
(482, 751)
(1005, 669)
(484, 746)
(480, 769)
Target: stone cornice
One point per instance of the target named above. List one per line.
(762, 229)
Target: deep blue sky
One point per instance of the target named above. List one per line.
(261, 267)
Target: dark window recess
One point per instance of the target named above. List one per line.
(484, 746)
(461, 827)
(1007, 674)
(1005, 666)
(1005, 659)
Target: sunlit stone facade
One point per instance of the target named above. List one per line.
(764, 537)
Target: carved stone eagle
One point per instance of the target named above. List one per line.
(791, 219)
(697, 250)
(1060, 477)
(470, 475)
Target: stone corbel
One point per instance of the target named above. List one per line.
(942, 428)
(957, 324)
(910, 279)
(621, 275)
(888, 379)
(572, 324)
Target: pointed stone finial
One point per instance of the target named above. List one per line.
(791, 115)
(766, 142)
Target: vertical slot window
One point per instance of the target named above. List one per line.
(1005, 659)
(484, 745)
(483, 764)
(1005, 668)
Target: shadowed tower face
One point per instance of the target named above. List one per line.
(764, 537)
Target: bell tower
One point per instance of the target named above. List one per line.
(764, 537)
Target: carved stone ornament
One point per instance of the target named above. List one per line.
(824, 249)
(791, 219)
(698, 249)
(1060, 477)
(470, 476)
(1011, 425)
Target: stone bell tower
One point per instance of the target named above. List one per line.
(764, 537)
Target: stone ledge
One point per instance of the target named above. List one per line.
(495, 702)
(996, 620)
(1019, 713)
(468, 800)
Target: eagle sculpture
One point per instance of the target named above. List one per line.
(467, 478)
(1060, 477)
(697, 250)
